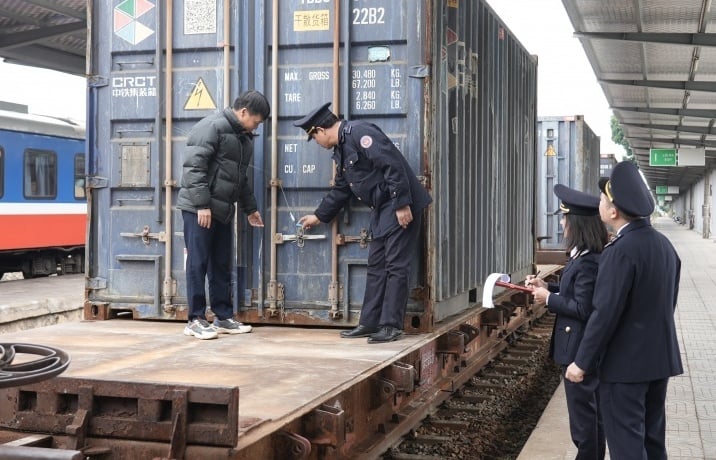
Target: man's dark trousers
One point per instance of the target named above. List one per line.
(389, 263)
(208, 254)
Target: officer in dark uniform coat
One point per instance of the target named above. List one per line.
(371, 168)
(631, 334)
(571, 300)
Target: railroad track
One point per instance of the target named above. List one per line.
(492, 415)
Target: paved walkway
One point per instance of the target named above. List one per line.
(691, 398)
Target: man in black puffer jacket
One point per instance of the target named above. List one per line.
(217, 157)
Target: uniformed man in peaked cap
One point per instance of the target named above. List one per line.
(571, 300)
(631, 335)
(371, 168)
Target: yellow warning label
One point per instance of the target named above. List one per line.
(307, 21)
(550, 152)
(452, 3)
(452, 81)
(200, 99)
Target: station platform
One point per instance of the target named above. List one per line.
(27, 304)
(691, 397)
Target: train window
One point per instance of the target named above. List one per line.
(2, 172)
(80, 176)
(40, 174)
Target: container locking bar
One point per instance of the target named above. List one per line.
(363, 239)
(146, 235)
(300, 237)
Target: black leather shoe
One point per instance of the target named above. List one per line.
(385, 334)
(360, 331)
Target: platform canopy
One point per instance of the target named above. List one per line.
(50, 34)
(656, 62)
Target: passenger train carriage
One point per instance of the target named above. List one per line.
(43, 207)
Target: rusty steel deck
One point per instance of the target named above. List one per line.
(279, 370)
(143, 389)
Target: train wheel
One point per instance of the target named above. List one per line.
(72, 264)
(79, 262)
(39, 266)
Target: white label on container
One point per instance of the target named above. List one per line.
(200, 17)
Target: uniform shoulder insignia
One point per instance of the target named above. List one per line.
(612, 241)
(366, 141)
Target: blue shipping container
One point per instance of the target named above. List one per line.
(446, 80)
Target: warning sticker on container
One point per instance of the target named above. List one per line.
(453, 4)
(199, 17)
(200, 98)
(313, 20)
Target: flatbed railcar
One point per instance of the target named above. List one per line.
(43, 208)
(142, 390)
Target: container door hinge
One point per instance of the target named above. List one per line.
(97, 81)
(275, 297)
(335, 292)
(92, 284)
(169, 290)
(419, 71)
(97, 182)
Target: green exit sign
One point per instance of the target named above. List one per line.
(662, 189)
(662, 157)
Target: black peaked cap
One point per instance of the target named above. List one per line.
(627, 190)
(575, 202)
(314, 119)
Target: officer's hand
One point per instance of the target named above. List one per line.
(203, 218)
(533, 281)
(308, 221)
(541, 295)
(255, 219)
(404, 216)
(574, 374)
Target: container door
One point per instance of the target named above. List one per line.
(141, 94)
(318, 277)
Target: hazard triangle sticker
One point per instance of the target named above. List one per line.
(200, 99)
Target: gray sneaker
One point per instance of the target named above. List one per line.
(201, 329)
(231, 326)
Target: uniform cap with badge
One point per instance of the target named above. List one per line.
(627, 190)
(314, 119)
(575, 202)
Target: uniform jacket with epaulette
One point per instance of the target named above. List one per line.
(631, 333)
(573, 305)
(371, 168)
(216, 159)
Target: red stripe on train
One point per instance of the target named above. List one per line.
(40, 231)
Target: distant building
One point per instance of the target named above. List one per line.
(607, 161)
